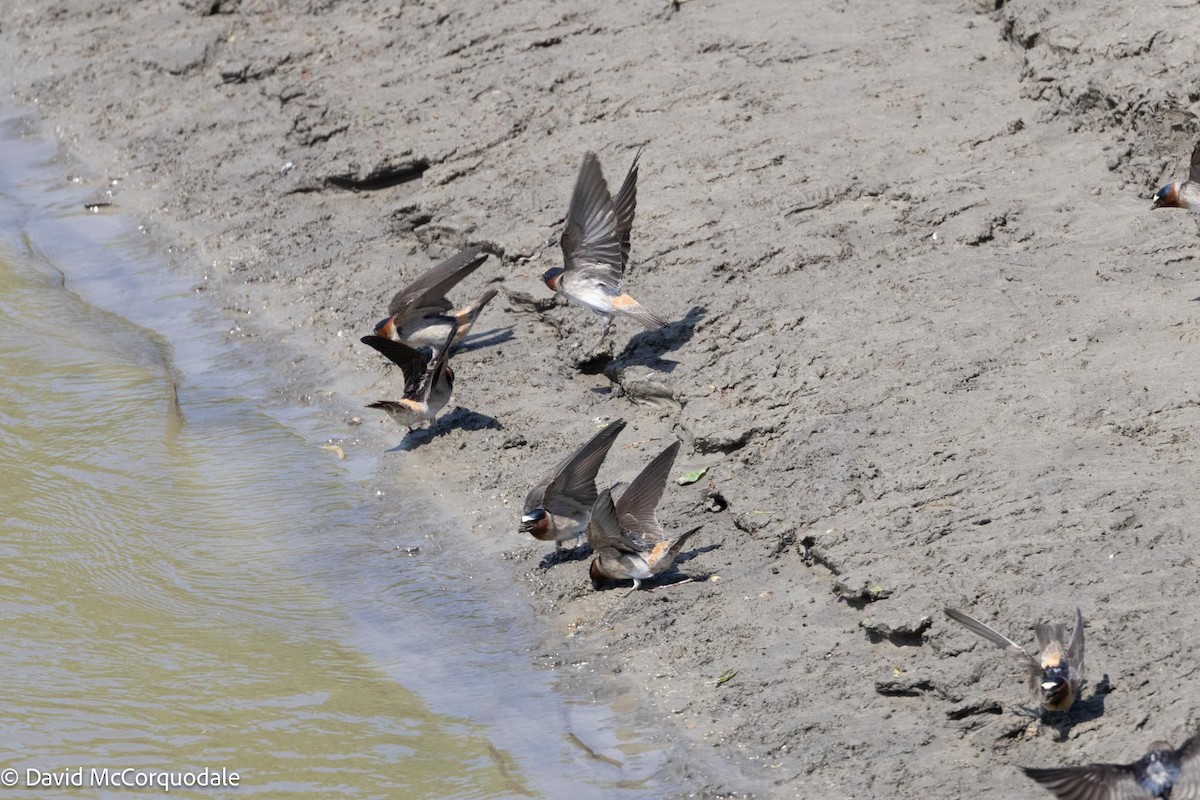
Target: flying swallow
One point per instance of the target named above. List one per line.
(1182, 194)
(628, 540)
(1056, 675)
(427, 383)
(1162, 773)
(595, 245)
(560, 506)
(420, 315)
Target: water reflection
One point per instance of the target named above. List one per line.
(152, 618)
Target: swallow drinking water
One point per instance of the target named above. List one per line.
(595, 245)
(421, 316)
(558, 508)
(628, 540)
(428, 383)
(1056, 676)
(1182, 194)
(1162, 773)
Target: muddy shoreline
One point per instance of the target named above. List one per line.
(929, 340)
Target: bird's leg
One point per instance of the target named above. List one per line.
(604, 333)
(637, 584)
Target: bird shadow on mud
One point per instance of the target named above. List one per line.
(484, 339)
(1082, 711)
(685, 557)
(566, 555)
(458, 419)
(646, 349)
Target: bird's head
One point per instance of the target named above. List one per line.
(1057, 692)
(536, 523)
(385, 328)
(594, 572)
(551, 277)
(1167, 197)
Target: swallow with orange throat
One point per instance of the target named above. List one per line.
(559, 507)
(595, 245)
(421, 316)
(626, 536)
(428, 383)
(1182, 194)
(1164, 773)
(1055, 677)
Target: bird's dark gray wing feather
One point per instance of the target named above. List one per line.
(1188, 785)
(575, 476)
(1014, 650)
(1092, 782)
(1075, 649)
(589, 240)
(437, 367)
(626, 205)
(411, 362)
(637, 505)
(1194, 168)
(603, 531)
(428, 291)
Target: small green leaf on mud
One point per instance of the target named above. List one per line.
(726, 676)
(693, 476)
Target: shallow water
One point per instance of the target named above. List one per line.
(190, 581)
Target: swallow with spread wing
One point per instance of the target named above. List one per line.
(559, 507)
(428, 383)
(1056, 675)
(421, 316)
(628, 540)
(1182, 194)
(595, 245)
(1162, 774)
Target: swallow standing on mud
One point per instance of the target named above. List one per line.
(1182, 194)
(595, 245)
(1162, 773)
(421, 316)
(427, 383)
(558, 508)
(629, 542)
(1056, 676)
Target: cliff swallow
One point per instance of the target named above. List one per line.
(1056, 676)
(1182, 194)
(420, 315)
(1162, 773)
(560, 506)
(427, 383)
(595, 245)
(629, 542)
